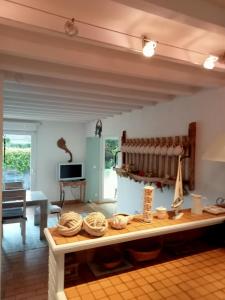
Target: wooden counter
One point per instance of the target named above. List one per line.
(59, 245)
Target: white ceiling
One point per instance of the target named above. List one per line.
(100, 72)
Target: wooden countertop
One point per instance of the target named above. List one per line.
(135, 230)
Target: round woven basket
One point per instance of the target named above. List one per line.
(95, 224)
(70, 224)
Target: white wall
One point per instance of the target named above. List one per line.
(172, 118)
(49, 155)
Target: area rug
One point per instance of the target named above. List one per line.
(12, 239)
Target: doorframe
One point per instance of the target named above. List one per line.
(103, 160)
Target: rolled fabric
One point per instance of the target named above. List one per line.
(70, 224)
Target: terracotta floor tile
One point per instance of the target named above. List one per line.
(137, 291)
(174, 289)
(158, 285)
(88, 297)
(94, 286)
(143, 297)
(201, 290)
(131, 284)
(115, 280)
(167, 282)
(127, 295)
(125, 277)
(173, 297)
(200, 281)
(121, 287)
(150, 278)
(176, 279)
(220, 294)
(148, 288)
(219, 285)
(208, 278)
(160, 276)
(210, 288)
(82, 290)
(141, 281)
(134, 275)
(211, 297)
(155, 295)
(183, 296)
(110, 291)
(167, 274)
(194, 294)
(192, 283)
(99, 294)
(105, 283)
(184, 286)
(184, 277)
(165, 292)
(115, 297)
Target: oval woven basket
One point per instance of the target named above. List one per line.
(70, 224)
(95, 224)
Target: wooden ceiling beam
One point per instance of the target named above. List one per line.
(82, 97)
(63, 111)
(135, 71)
(32, 82)
(207, 15)
(67, 107)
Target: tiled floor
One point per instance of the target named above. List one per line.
(200, 276)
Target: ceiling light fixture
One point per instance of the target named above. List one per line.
(210, 62)
(70, 27)
(148, 47)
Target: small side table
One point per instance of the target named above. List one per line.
(73, 183)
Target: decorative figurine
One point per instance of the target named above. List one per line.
(98, 128)
(178, 195)
(61, 143)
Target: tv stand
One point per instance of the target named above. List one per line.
(72, 183)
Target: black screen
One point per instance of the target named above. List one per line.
(70, 171)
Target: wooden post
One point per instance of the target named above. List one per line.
(123, 141)
(192, 146)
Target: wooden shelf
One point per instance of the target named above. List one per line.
(159, 157)
(138, 178)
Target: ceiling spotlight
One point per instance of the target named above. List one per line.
(210, 62)
(70, 27)
(148, 48)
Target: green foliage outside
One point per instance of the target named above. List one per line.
(111, 147)
(17, 159)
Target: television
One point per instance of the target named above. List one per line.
(70, 171)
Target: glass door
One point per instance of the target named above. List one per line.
(17, 159)
(110, 177)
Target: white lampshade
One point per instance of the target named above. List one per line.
(216, 151)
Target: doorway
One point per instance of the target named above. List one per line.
(17, 150)
(110, 176)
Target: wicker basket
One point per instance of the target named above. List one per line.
(140, 255)
(70, 224)
(95, 224)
